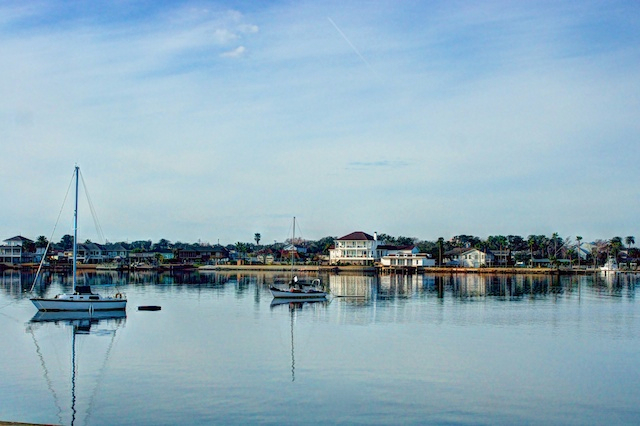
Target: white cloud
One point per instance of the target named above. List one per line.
(238, 51)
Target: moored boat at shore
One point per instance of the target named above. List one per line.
(82, 298)
(611, 265)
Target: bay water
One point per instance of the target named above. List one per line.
(450, 349)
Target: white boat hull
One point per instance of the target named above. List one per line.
(297, 294)
(610, 266)
(71, 303)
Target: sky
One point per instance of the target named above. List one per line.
(211, 121)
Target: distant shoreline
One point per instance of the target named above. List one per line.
(324, 268)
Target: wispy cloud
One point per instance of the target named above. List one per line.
(378, 164)
(238, 51)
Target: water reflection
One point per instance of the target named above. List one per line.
(295, 306)
(81, 325)
(360, 288)
(350, 288)
(382, 349)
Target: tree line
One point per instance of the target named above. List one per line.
(552, 247)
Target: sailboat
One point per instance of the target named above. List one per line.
(82, 298)
(297, 289)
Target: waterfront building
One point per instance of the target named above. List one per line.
(12, 251)
(115, 252)
(403, 257)
(468, 257)
(90, 253)
(356, 248)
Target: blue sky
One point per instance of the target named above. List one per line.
(212, 120)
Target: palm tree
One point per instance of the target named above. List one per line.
(615, 244)
(531, 242)
(440, 243)
(257, 237)
(579, 238)
(630, 240)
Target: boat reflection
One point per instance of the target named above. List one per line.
(81, 325)
(296, 305)
(80, 319)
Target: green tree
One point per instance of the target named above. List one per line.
(66, 242)
(42, 241)
(257, 237)
(29, 246)
(516, 242)
(162, 244)
(405, 241)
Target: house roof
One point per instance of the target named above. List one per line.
(357, 236)
(90, 246)
(18, 238)
(460, 250)
(114, 247)
(392, 247)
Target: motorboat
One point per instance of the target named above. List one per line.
(611, 265)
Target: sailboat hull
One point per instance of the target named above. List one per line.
(297, 295)
(77, 304)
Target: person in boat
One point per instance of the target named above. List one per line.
(295, 284)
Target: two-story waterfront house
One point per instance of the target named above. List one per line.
(468, 257)
(12, 251)
(115, 252)
(90, 253)
(357, 248)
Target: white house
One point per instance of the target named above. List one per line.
(357, 248)
(468, 257)
(12, 252)
(408, 256)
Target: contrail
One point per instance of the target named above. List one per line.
(350, 44)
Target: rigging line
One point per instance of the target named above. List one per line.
(300, 238)
(93, 211)
(44, 256)
(46, 374)
(100, 377)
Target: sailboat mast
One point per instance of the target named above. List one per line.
(75, 233)
(293, 243)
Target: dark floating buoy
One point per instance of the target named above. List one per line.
(149, 308)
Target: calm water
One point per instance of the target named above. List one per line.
(422, 349)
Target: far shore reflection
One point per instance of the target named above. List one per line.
(354, 288)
